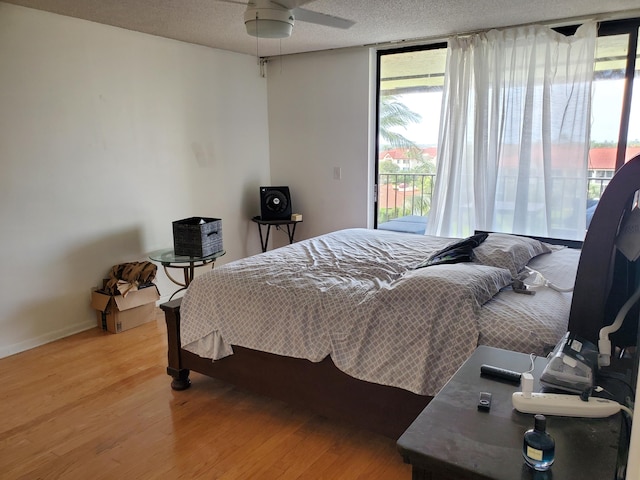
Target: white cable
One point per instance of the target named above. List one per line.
(540, 281)
(628, 410)
(604, 344)
(532, 365)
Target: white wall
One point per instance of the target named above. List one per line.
(106, 137)
(633, 467)
(319, 119)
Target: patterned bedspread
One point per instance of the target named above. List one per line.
(532, 324)
(353, 295)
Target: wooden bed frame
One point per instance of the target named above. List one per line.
(320, 387)
(324, 389)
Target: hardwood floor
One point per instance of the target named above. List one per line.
(99, 406)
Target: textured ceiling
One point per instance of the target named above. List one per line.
(219, 24)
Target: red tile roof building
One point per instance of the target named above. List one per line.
(600, 158)
(604, 158)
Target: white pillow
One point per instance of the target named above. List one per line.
(508, 251)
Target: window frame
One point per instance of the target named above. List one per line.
(629, 26)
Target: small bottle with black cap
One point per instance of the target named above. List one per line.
(539, 447)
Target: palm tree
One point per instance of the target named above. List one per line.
(394, 113)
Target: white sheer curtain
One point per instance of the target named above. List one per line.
(514, 134)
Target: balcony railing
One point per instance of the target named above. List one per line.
(409, 194)
(403, 194)
(596, 186)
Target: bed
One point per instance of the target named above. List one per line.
(345, 324)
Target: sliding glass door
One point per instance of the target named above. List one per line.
(410, 85)
(409, 102)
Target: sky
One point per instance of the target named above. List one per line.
(605, 118)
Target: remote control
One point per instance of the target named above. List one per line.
(564, 405)
(501, 373)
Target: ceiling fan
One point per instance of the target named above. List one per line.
(274, 19)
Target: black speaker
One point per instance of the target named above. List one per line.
(275, 203)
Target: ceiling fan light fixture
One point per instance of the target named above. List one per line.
(268, 22)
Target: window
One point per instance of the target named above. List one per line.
(410, 87)
(615, 128)
(410, 95)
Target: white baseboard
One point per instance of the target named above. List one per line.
(46, 338)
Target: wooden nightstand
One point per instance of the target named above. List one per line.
(452, 439)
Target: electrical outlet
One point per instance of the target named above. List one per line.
(337, 173)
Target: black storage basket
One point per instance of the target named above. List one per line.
(197, 236)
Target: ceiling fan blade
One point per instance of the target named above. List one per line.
(305, 15)
(235, 2)
(291, 4)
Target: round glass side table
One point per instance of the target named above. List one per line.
(168, 259)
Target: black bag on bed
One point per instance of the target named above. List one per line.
(461, 251)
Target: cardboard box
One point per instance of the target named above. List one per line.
(116, 313)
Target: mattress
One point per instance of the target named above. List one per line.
(356, 296)
(532, 323)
